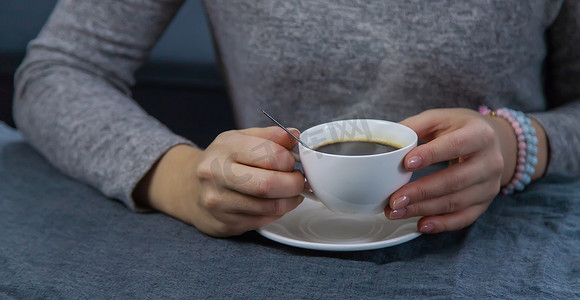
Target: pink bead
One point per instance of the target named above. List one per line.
(521, 168)
(522, 152)
(519, 131)
(484, 110)
(521, 138)
(518, 176)
(521, 160)
(522, 145)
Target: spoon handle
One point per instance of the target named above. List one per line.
(290, 133)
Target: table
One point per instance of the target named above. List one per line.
(62, 239)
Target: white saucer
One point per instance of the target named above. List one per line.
(312, 226)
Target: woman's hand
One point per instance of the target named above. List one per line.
(483, 151)
(244, 180)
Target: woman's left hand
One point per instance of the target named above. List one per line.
(483, 151)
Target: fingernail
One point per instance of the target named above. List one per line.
(400, 202)
(414, 162)
(427, 228)
(293, 129)
(397, 213)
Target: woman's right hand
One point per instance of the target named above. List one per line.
(245, 179)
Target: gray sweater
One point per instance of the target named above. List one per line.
(305, 61)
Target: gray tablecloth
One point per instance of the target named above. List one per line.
(62, 239)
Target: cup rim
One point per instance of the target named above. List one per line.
(409, 145)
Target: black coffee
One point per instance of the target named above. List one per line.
(356, 147)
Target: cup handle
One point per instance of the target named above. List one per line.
(310, 195)
(306, 192)
(296, 156)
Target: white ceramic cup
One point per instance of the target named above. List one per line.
(355, 184)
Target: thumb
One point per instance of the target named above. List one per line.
(425, 124)
(275, 134)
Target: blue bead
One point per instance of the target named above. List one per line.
(530, 169)
(526, 179)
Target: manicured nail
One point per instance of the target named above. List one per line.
(427, 228)
(414, 162)
(397, 214)
(400, 202)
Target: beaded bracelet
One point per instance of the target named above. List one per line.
(527, 147)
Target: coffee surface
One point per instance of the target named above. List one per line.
(356, 147)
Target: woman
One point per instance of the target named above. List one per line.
(434, 62)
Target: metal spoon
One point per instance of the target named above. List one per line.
(290, 133)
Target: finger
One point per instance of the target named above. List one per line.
(260, 182)
(275, 134)
(435, 121)
(259, 152)
(447, 204)
(453, 221)
(458, 143)
(453, 179)
(232, 202)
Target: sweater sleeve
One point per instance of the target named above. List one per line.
(562, 90)
(72, 92)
